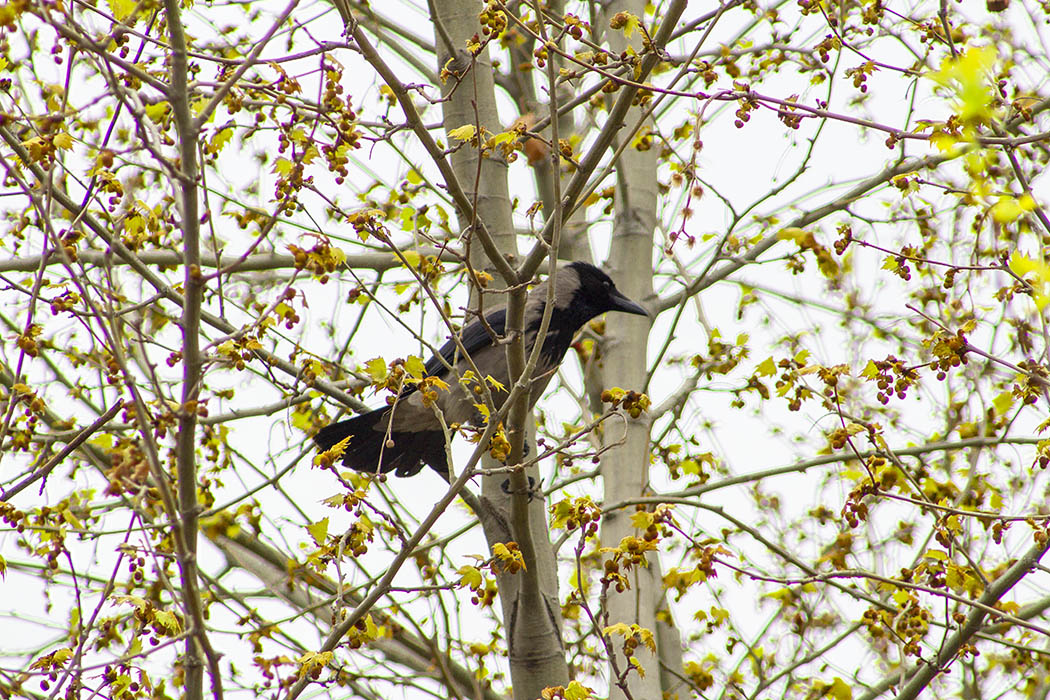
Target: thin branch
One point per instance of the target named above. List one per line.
(72, 445)
(982, 607)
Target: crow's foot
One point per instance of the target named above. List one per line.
(532, 491)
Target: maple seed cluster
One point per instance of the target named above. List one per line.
(575, 26)
(838, 438)
(631, 642)
(743, 112)
(499, 446)
(612, 573)
(619, 20)
(559, 692)
(892, 371)
(135, 566)
(1043, 460)
(951, 350)
(584, 513)
(288, 186)
(321, 260)
(120, 38)
(354, 642)
(631, 401)
(541, 56)
(789, 381)
(789, 117)
(826, 46)
(13, 517)
(860, 77)
(512, 562)
(347, 137)
(493, 20)
(708, 72)
(484, 598)
(830, 377)
(69, 240)
(358, 537)
(846, 233)
(855, 510)
(652, 533)
(910, 624)
(1035, 379)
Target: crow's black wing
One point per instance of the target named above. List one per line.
(475, 337)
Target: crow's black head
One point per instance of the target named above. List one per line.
(586, 292)
(581, 292)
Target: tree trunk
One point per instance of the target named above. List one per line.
(626, 468)
(532, 618)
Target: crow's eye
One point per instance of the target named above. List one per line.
(608, 284)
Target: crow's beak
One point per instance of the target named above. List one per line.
(621, 303)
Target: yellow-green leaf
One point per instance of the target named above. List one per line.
(376, 369)
(312, 660)
(61, 656)
(781, 594)
(283, 166)
(463, 133)
(157, 111)
(219, 139)
(767, 368)
(641, 519)
(1022, 265)
(576, 691)
(121, 8)
(969, 76)
(169, 621)
(504, 137)
(955, 578)
(1010, 208)
(631, 25)
(840, 690)
(1003, 402)
(412, 257)
(791, 233)
(318, 530)
(944, 142)
(470, 576)
(415, 367)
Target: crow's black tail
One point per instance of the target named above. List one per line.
(367, 445)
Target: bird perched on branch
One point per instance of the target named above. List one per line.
(407, 434)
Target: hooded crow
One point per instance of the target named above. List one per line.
(581, 292)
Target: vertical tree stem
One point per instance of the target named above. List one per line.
(185, 181)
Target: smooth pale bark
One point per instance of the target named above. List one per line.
(669, 647)
(625, 470)
(532, 618)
